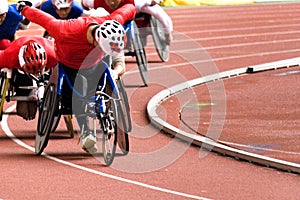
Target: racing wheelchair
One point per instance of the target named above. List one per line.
(149, 25)
(107, 109)
(17, 85)
(137, 31)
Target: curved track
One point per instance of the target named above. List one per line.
(159, 166)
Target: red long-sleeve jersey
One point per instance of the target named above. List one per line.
(9, 57)
(71, 44)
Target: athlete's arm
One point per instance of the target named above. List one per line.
(43, 19)
(87, 4)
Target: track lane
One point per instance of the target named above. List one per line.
(216, 177)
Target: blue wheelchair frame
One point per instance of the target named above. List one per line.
(99, 111)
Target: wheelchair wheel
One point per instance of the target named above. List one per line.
(123, 138)
(3, 89)
(123, 116)
(159, 39)
(109, 125)
(124, 104)
(45, 119)
(140, 53)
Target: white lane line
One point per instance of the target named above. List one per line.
(259, 148)
(247, 35)
(272, 27)
(8, 132)
(162, 66)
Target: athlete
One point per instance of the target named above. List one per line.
(9, 57)
(32, 55)
(81, 44)
(11, 21)
(62, 9)
(150, 7)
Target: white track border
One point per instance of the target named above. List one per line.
(221, 148)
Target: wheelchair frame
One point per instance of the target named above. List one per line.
(7, 94)
(104, 109)
(152, 26)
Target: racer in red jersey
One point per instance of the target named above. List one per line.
(73, 38)
(80, 44)
(9, 57)
(18, 56)
(150, 7)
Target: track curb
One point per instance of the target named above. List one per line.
(156, 100)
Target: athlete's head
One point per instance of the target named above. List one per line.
(62, 7)
(32, 57)
(3, 10)
(111, 37)
(113, 4)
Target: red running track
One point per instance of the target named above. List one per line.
(229, 37)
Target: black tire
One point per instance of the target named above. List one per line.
(140, 53)
(124, 104)
(45, 119)
(159, 38)
(3, 89)
(123, 138)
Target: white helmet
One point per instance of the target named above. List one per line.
(62, 3)
(111, 37)
(3, 7)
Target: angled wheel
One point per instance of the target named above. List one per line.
(159, 38)
(123, 138)
(47, 110)
(3, 89)
(124, 104)
(140, 53)
(124, 119)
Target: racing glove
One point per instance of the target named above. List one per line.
(21, 5)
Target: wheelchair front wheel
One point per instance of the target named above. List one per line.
(45, 118)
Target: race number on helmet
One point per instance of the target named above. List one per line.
(111, 37)
(32, 57)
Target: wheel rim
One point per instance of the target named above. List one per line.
(159, 38)
(140, 54)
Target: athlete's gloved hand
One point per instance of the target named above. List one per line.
(22, 4)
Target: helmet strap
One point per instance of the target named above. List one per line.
(93, 32)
